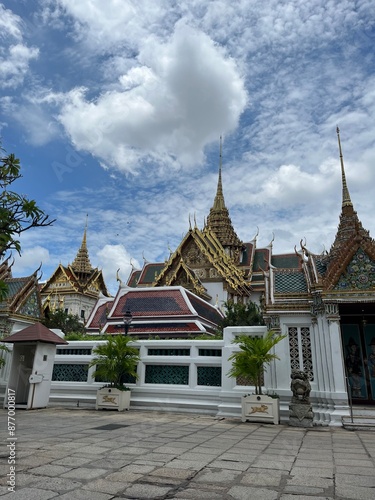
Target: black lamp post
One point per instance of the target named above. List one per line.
(128, 318)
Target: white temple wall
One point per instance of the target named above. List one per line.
(194, 381)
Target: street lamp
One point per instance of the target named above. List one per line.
(128, 318)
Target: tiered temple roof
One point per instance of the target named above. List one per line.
(167, 312)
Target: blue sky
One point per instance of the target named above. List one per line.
(115, 109)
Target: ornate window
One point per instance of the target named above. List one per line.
(209, 352)
(168, 352)
(209, 375)
(167, 374)
(70, 372)
(300, 350)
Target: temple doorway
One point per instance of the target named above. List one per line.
(358, 340)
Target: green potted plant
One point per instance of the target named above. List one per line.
(250, 362)
(114, 361)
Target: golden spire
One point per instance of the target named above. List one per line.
(218, 219)
(81, 263)
(346, 201)
(219, 203)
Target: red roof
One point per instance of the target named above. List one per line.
(35, 333)
(153, 302)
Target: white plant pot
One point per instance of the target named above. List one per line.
(260, 408)
(112, 399)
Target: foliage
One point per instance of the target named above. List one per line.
(81, 336)
(17, 212)
(4, 348)
(115, 359)
(3, 290)
(238, 314)
(253, 355)
(68, 323)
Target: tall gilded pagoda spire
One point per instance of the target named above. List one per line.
(218, 219)
(81, 263)
(346, 201)
(349, 224)
(219, 203)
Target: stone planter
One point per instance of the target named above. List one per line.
(112, 399)
(260, 408)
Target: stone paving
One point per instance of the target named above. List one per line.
(78, 454)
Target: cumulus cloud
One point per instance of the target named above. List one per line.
(111, 259)
(15, 56)
(31, 258)
(183, 95)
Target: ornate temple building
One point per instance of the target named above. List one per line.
(23, 306)
(76, 287)
(324, 303)
(163, 313)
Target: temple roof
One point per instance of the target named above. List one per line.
(35, 333)
(79, 277)
(163, 311)
(23, 299)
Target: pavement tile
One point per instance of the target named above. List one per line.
(249, 492)
(50, 470)
(84, 473)
(123, 476)
(262, 478)
(147, 491)
(312, 471)
(229, 465)
(317, 482)
(366, 481)
(85, 495)
(193, 494)
(173, 473)
(216, 476)
(354, 492)
(303, 490)
(354, 462)
(29, 494)
(186, 464)
(289, 496)
(271, 464)
(104, 486)
(358, 471)
(107, 463)
(57, 484)
(162, 455)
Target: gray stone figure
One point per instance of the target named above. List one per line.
(300, 409)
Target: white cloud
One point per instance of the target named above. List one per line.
(111, 259)
(185, 93)
(15, 56)
(10, 24)
(31, 258)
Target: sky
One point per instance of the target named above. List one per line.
(116, 109)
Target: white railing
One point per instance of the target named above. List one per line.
(174, 375)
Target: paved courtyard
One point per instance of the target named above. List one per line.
(76, 454)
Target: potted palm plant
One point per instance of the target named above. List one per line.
(249, 363)
(114, 361)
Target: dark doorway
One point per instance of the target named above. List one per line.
(358, 339)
